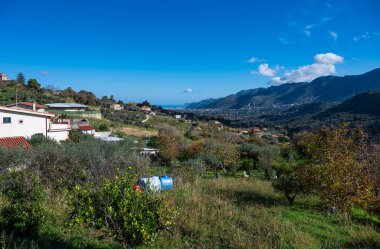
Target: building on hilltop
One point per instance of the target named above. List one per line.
(3, 77)
(67, 107)
(116, 107)
(29, 106)
(146, 108)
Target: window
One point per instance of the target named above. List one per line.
(6, 120)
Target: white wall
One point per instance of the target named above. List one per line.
(29, 126)
(58, 135)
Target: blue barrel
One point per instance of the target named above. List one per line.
(166, 182)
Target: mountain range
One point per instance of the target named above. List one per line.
(326, 89)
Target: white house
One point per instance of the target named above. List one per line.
(87, 129)
(116, 107)
(26, 123)
(3, 77)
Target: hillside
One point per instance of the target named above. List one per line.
(364, 103)
(328, 89)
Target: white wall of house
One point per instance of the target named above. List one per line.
(89, 132)
(22, 124)
(26, 124)
(58, 135)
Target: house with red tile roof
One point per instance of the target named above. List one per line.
(29, 106)
(87, 129)
(15, 143)
(146, 108)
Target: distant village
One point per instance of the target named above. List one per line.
(22, 120)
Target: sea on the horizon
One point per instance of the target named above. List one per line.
(174, 106)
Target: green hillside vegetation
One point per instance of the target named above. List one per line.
(51, 202)
(364, 103)
(32, 90)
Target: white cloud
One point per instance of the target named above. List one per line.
(334, 35)
(366, 36)
(328, 58)
(188, 90)
(44, 73)
(324, 64)
(265, 70)
(319, 23)
(255, 59)
(307, 33)
(283, 40)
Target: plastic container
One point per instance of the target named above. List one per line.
(166, 182)
(152, 183)
(155, 183)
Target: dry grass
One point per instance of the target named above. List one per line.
(241, 213)
(138, 131)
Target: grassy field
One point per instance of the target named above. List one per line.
(138, 131)
(229, 212)
(248, 213)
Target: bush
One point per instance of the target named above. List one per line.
(23, 209)
(76, 135)
(133, 217)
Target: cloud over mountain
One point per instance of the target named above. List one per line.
(324, 64)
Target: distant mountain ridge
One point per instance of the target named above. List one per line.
(326, 89)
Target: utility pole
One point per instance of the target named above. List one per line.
(16, 97)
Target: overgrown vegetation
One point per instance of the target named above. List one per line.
(80, 193)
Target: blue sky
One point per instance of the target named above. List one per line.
(179, 51)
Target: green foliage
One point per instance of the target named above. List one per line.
(76, 135)
(134, 217)
(23, 209)
(33, 84)
(268, 155)
(37, 139)
(12, 159)
(341, 157)
(20, 78)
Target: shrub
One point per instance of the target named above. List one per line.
(76, 135)
(23, 211)
(133, 217)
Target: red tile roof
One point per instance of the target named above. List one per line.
(15, 142)
(86, 128)
(31, 105)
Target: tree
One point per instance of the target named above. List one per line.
(250, 153)
(133, 217)
(33, 84)
(20, 78)
(146, 103)
(268, 155)
(295, 178)
(226, 154)
(23, 207)
(169, 142)
(340, 155)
